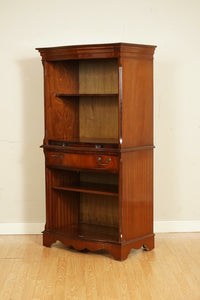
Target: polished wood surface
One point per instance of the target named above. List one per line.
(82, 161)
(137, 194)
(85, 116)
(99, 122)
(97, 51)
(99, 210)
(86, 240)
(90, 188)
(137, 102)
(30, 271)
(59, 212)
(98, 76)
(63, 95)
(59, 78)
(95, 117)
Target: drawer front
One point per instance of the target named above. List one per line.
(82, 161)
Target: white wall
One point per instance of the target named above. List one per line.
(174, 26)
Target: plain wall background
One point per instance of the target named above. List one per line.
(174, 26)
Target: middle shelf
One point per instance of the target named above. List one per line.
(85, 182)
(64, 95)
(90, 188)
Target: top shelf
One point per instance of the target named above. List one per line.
(87, 95)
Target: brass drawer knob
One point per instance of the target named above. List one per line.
(101, 164)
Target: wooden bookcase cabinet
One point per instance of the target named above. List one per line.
(98, 146)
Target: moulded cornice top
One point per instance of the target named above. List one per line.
(95, 51)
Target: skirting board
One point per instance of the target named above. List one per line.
(159, 226)
(21, 228)
(177, 226)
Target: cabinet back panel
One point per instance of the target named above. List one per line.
(64, 177)
(99, 178)
(98, 76)
(98, 117)
(99, 210)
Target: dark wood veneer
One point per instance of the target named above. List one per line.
(115, 50)
(98, 146)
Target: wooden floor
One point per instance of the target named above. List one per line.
(30, 271)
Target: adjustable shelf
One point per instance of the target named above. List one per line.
(91, 188)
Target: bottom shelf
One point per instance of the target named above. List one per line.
(90, 232)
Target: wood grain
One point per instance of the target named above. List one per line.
(98, 209)
(59, 211)
(83, 161)
(99, 93)
(61, 116)
(137, 194)
(137, 102)
(98, 117)
(90, 188)
(30, 271)
(97, 51)
(98, 76)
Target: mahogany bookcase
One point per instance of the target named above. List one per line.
(98, 146)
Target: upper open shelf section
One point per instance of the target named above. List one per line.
(82, 101)
(99, 91)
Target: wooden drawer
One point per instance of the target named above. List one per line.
(82, 161)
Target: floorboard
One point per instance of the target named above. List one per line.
(30, 271)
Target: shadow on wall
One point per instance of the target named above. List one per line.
(32, 125)
(168, 124)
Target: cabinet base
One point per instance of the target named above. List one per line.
(119, 251)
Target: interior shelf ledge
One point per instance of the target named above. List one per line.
(91, 188)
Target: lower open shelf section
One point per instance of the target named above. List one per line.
(90, 232)
(84, 210)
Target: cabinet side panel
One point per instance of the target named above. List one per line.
(137, 102)
(61, 113)
(137, 194)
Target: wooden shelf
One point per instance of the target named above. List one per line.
(90, 188)
(90, 232)
(86, 95)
